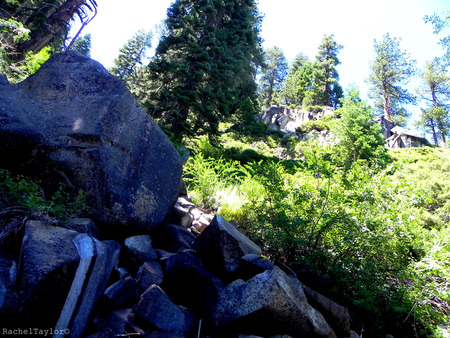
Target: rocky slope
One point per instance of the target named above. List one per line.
(147, 262)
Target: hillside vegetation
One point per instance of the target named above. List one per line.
(380, 238)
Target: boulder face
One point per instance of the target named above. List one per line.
(74, 123)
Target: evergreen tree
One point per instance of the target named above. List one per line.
(440, 22)
(328, 60)
(359, 136)
(390, 69)
(83, 45)
(132, 56)
(305, 86)
(130, 68)
(45, 22)
(299, 61)
(273, 74)
(205, 65)
(31, 30)
(435, 90)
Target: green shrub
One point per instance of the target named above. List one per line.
(373, 231)
(27, 195)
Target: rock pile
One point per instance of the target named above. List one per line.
(149, 262)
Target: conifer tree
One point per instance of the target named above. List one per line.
(273, 74)
(360, 138)
(83, 45)
(328, 60)
(131, 65)
(390, 69)
(205, 65)
(435, 90)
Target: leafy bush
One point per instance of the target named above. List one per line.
(360, 226)
(19, 192)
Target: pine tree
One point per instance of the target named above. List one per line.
(328, 60)
(440, 22)
(273, 74)
(390, 69)
(360, 138)
(205, 65)
(132, 56)
(83, 45)
(435, 90)
(305, 86)
(130, 66)
(45, 21)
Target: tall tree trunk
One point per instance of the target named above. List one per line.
(433, 130)
(386, 105)
(53, 25)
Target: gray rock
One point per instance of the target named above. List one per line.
(74, 123)
(252, 265)
(181, 212)
(83, 225)
(8, 279)
(137, 251)
(172, 238)
(163, 334)
(158, 309)
(3, 80)
(122, 323)
(103, 333)
(270, 303)
(63, 275)
(185, 270)
(148, 274)
(336, 315)
(123, 293)
(222, 246)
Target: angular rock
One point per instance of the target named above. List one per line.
(122, 323)
(137, 251)
(336, 315)
(181, 214)
(148, 274)
(252, 265)
(62, 276)
(8, 278)
(172, 238)
(83, 225)
(159, 310)
(123, 293)
(221, 246)
(185, 270)
(163, 334)
(74, 123)
(270, 303)
(3, 80)
(103, 333)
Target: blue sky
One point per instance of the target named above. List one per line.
(295, 26)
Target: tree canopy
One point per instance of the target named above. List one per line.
(273, 74)
(205, 66)
(435, 91)
(327, 58)
(391, 68)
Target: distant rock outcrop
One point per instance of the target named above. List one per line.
(73, 122)
(288, 120)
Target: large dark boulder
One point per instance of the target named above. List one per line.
(63, 273)
(74, 123)
(269, 303)
(159, 310)
(221, 246)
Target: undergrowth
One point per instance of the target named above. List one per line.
(381, 234)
